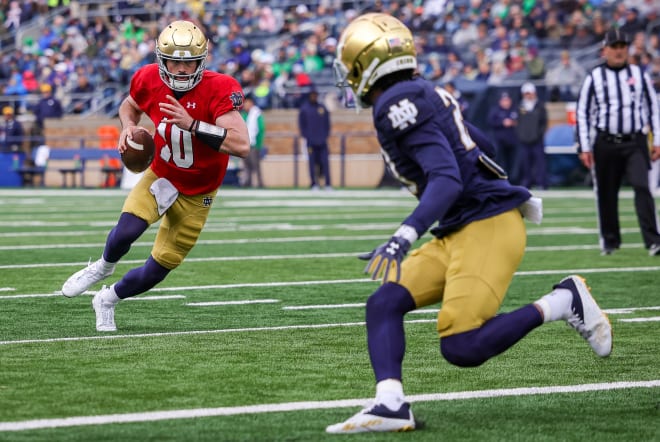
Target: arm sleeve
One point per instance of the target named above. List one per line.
(654, 111)
(443, 185)
(261, 124)
(582, 126)
(481, 139)
(438, 197)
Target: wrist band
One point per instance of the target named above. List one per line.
(212, 135)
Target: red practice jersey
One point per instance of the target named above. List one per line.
(193, 167)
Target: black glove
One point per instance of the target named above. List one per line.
(386, 257)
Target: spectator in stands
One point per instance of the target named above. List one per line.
(565, 78)
(11, 131)
(502, 120)
(483, 71)
(327, 51)
(256, 125)
(47, 107)
(268, 22)
(240, 54)
(531, 127)
(582, 38)
(516, 68)
(498, 73)
(465, 35)
(312, 61)
(633, 23)
(16, 90)
(82, 95)
(13, 14)
(432, 69)
(30, 82)
(314, 126)
(438, 44)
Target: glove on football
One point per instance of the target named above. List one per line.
(387, 257)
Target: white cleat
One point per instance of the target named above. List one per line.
(105, 312)
(377, 418)
(586, 317)
(85, 278)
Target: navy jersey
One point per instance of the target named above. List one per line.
(440, 158)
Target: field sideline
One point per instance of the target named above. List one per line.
(259, 335)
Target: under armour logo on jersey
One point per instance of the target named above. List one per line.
(403, 114)
(190, 105)
(206, 201)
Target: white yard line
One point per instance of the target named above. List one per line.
(152, 416)
(222, 303)
(649, 319)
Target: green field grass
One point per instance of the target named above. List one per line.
(259, 335)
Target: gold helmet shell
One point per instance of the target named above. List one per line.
(182, 41)
(372, 45)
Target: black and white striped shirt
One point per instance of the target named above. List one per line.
(616, 101)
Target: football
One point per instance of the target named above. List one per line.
(140, 152)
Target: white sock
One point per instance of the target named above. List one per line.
(107, 266)
(110, 296)
(555, 305)
(390, 393)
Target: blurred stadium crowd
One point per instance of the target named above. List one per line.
(86, 51)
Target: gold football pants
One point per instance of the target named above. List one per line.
(181, 225)
(469, 271)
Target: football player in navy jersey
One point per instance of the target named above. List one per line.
(475, 217)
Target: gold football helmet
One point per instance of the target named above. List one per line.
(372, 45)
(183, 41)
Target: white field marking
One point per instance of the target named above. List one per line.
(270, 193)
(7, 289)
(215, 303)
(649, 319)
(322, 306)
(210, 259)
(247, 258)
(203, 332)
(287, 240)
(156, 298)
(627, 310)
(151, 416)
(324, 282)
(614, 311)
(193, 332)
(58, 294)
(205, 242)
(611, 311)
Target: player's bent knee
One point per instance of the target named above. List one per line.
(463, 349)
(390, 297)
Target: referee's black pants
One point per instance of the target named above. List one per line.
(612, 162)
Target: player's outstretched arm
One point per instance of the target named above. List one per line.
(129, 116)
(237, 140)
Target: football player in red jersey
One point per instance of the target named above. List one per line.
(474, 214)
(198, 126)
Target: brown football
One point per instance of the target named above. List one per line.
(140, 151)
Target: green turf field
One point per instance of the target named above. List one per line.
(259, 335)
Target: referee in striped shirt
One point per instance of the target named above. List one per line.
(616, 106)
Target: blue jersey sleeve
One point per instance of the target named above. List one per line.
(481, 139)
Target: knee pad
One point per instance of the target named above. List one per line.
(390, 297)
(463, 349)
